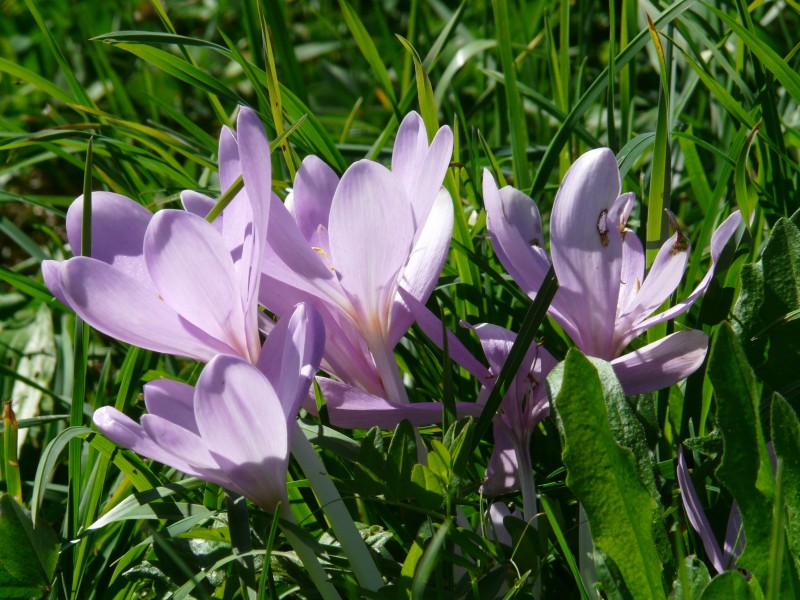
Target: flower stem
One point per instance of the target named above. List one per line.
(362, 563)
(308, 558)
(526, 483)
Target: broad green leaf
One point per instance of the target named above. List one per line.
(370, 469)
(28, 554)
(746, 470)
(426, 487)
(786, 439)
(604, 476)
(692, 579)
(730, 585)
(765, 315)
(401, 460)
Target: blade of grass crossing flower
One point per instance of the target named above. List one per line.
(530, 325)
(516, 117)
(427, 105)
(274, 91)
(746, 198)
(267, 578)
(368, 49)
(587, 99)
(405, 77)
(292, 73)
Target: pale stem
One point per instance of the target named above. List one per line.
(528, 488)
(308, 558)
(344, 527)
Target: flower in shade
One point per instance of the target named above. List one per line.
(521, 409)
(234, 427)
(171, 281)
(604, 300)
(347, 246)
(723, 558)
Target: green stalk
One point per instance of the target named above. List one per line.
(13, 480)
(364, 569)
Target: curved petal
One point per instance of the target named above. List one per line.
(696, 516)
(371, 229)
(291, 356)
(718, 242)
(664, 276)
(419, 167)
(118, 230)
(425, 263)
(197, 203)
(662, 363)
(244, 428)
(173, 401)
(183, 445)
(51, 273)
(632, 270)
(355, 409)
(254, 156)
(312, 195)
(228, 158)
(113, 303)
(195, 276)
(124, 431)
(516, 231)
(586, 249)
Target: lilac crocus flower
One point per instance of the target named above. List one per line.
(172, 282)
(521, 409)
(604, 300)
(347, 246)
(723, 558)
(234, 428)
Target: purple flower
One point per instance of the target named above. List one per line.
(724, 558)
(234, 428)
(172, 282)
(347, 246)
(604, 300)
(521, 409)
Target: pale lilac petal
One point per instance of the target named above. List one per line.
(632, 271)
(244, 428)
(662, 363)
(312, 195)
(173, 401)
(421, 168)
(124, 431)
(502, 472)
(114, 304)
(352, 408)
(718, 241)
(195, 276)
(183, 445)
(664, 276)
(51, 273)
(498, 511)
(254, 156)
(432, 327)
(696, 516)
(228, 158)
(291, 356)
(371, 229)
(516, 231)
(197, 203)
(118, 230)
(425, 263)
(586, 249)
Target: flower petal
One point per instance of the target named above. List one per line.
(425, 263)
(195, 276)
(355, 409)
(116, 305)
(502, 472)
(182, 445)
(244, 427)
(51, 273)
(516, 230)
(421, 168)
(586, 249)
(291, 356)
(696, 516)
(312, 195)
(718, 242)
(632, 270)
(230, 167)
(371, 229)
(173, 401)
(124, 431)
(662, 363)
(197, 203)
